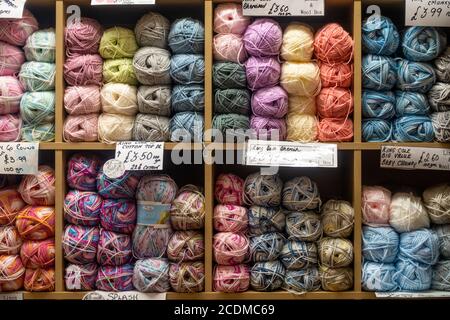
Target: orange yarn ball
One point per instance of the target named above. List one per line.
(333, 44)
(337, 130)
(36, 223)
(39, 189)
(336, 75)
(40, 279)
(10, 205)
(38, 254)
(334, 103)
(11, 273)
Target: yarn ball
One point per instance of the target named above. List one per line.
(114, 249)
(40, 46)
(378, 72)
(44, 132)
(115, 127)
(415, 76)
(263, 38)
(37, 76)
(82, 171)
(119, 98)
(301, 193)
(187, 211)
(413, 129)
(83, 70)
(151, 66)
(10, 126)
(188, 98)
(231, 218)
(441, 125)
(39, 189)
(11, 59)
(17, 31)
(267, 276)
(231, 278)
(151, 275)
(186, 126)
(442, 66)
(187, 35)
(80, 243)
(82, 36)
(443, 233)
(119, 70)
(298, 43)
(379, 104)
(187, 69)
(39, 280)
(11, 91)
(334, 103)
(336, 75)
(335, 252)
(378, 277)
(337, 218)
(11, 203)
(441, 276)
(262, 72)
(186, 246)
(300, 78)
(149, 127)
(229, 75)
(82, 128)
(10, 240)
(335, 129)
(187, 277)
(266, 219)
(263, 190)
(420, 247)
(229, 18)
(437, 201)
(379, 244)
(154, 100)
(268, 128)
(230, 248)
(266, 247)
(336, 279)
(118, 215)
(80, 276)
(11, 273)
(157, 189)
(380, 36)
(410, 277)
(439, 96)
(150, 241)
(229, 123)
(304, 280)
(333, 44)
(301, 127)
(82, 207)
(117, 42)
(38, 107)
(152, 29)
(375, 201)
(297, 255)
(232, 101)
(410, 103)
(229, 189)
(38, 254)
(270, 102)
(112, 278)
(407, 213)
(229, 47)
(303, 226)
(421, 43)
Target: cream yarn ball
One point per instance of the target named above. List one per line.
(301, 78)
(115, 127)
(407, 213)
(301, 127)
(338, 218)
(302, 105)
(119, 98)
(298, 43)
(437, 201)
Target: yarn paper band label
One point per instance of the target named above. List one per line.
(11, 296)
(283, 7)
(430, 13)
(11, 8)
(114, 168)
(120, 2)
(125, 295)
(19, 157)
(137, 155)
(409, 158)
(153, 214)
(423, 294)
(290, 154)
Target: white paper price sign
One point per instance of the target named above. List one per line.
(415, 158)
(125, 295)
(120, 2)
(290, 154)
(11, 296)
(283, 7)
(433, 13)
(423, 294)
(19, 157)
(12, 9)
(136, 155)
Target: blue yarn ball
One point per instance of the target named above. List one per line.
(304, 280)
(411, 103)
(188, 98)
(378, 104)
(186, 126)
(415, 76)
(297, 255)
(378, 277)
(420, 247)
(409, 277)
(380, 244)
(267, 276)
(421, 43)
(376, 130)
(266, 247)
(413, 129)
(187, 35)
(378, 72)
(187, 69)
(380, 36)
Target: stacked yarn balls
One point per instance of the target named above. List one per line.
(405, 243)
(405, 79)
(27, 228)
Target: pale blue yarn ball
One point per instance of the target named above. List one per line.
(378, 277)
(410, 277)
(378, 72)
(186, 126)
(411, 103)
(188, 98)
(420, 247)
(380, 36)
(378, 104)
(415, 76)
(187, 69)
(379, 244)
(376, 130)
(187, 35)
(413, 129)
(421, 43)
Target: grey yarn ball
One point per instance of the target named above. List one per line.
(149, 127)
(441, 276)
(443, 233)
(439, 96)
(441, 125)
(152, 66)
(442, 66)
(152, 29)
(154, 100)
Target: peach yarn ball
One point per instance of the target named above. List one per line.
(332, 44)
(39, 189)
(334, 103)
(11, 273)
(36, 223)
(11, 204)
(335, 130)
(336, 75)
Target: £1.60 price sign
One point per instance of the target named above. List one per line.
(137, 155)
(19, 157)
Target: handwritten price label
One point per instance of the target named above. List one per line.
(283, 7)
(12, 9)
(19, 157)
(11, 296)
(126, 295)
(140, 155)
(433, 13)
(415, 158)
(120, 2)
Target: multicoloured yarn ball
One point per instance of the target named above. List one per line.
(304, 280)
(437, 201)
(263, 38)
(267, 276)
(80, 244)
(337, 218)
(80, 276)
(188, 209)
(10, 240)
(407, 213)
(11, 58)
(187, 276)
(378, 277)
(335, 252)
(266, 247)
(123, 187)
(376, 201)
(82, 171)
(229, 217)
(303, 225)
(36, 223)
(443, 233)
(301, 193)
(10, 127)
(230, 248)
(157, 188)
(150, 241)
(111, 278)
(297, 255)
(114, 249)
(336, 279)
(266, 219)
(39, 189)
(263, 190)
(11, 204)
(11, 273)
(39, 280)
(186, 246)
(229, 189)
(17, 31)
(151, 275)
(40, 46)
(231, 278)
(118, 215)
(11, 93)
(82, 207)
(38, 254)
(380, 244)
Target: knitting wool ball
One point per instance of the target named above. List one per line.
(421, 43)
(118, 215)
(187, 211)
(301, 193)
(80, 243)
(11, 59)
(230, 248)
(415, 76)
(229, 123)
(376, 130)
(266, 219)
(11, 91)
(413, 129)
(115, 127)
(151, 275)
(229, 75)
(378, 277)
(82, 128)
(336, 279)
(186, 246)
(297, 255)
(303, 226)
(380, 244)
(229, 18)
(298, 43)
(82, 208)
(267, 276)
(263, 190)
(186, 126)
(39, 189)
(268, 128)
(82, 36)
(154, 100)
(380, 36)
(11, 203)
(39, 280)
(380, 104)
(152, 29)
(83, 70)
(231, 278)
(410, 277)
(44, 132)
(437, 202)
(335, 129)
(10, 126)
(263, 38)
(149, 127)
(40, 46)
(80, 100)
(114, 249)
(301, 127)
(151, 66)
(420, 247)
(300, 78)
(441, 125)
(187, 277)
(270, 102)
(150, 241)
(229, 189)
(443, 233)
(335, 252)
(11, 273)
(37, 76)
(231, 218)
(117, 42)
(411, 103)
(266, 247)
(442, 66)
(17, 31)
(262, 72)
(82, 171)
(304, 280)
(334, 103)
(407, 213)
(187, 69)
(337, 218)
(10, 240)
(80, 277)
(38, 107)
(336, 75)
(378, 72)
(229, 47)
(119, 98)
(157, 189)
(439, 96)
(188, 98)
(441, 276)
(232, 101)
(119, 70)
(187, 35)
(112, 278)
(333, 44)
(38, 254)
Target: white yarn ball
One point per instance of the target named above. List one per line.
(119, 98)
(407, 213)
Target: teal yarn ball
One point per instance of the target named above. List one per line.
(186, 126)
(188, 98)
(37, 76)
(378, 72)
(420, 247)
(378, 277)
(376, 130)
(380, 244)
(421, 43)
(413, 129)
(40, 132)
(232, 101)
(187, 69)
(410, 277)
(228, 75)
(41, 45)
(187, 35)
(378, 104)
(411, 103)
(380, 36)
(38, 107)
(415, 76)
(230, 122)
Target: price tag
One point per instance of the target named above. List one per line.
(120, 2)
(12, 9)
(137, 155)
(125, 295)
(11, 296)
(290, 154)
(19, 157)
(114, 168)
(283, 7)
(415, 158)
(422, 294)
(431, 13)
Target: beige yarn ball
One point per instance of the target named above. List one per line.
(298, 43)
(115, 127)
(302, 105)
(338, 218)
(437, 202)
(300, 78)
(119, 98)
(335, 252)
(407, 213)
(301, 127)
(340, 279)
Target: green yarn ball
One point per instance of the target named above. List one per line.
(232, 101)
(40, 46)
(232, 121)
(38, 107)
(41, 132)
(229, 75)
(118, 42)
(119, 70)
(37, 76)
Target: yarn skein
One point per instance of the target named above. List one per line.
(263, 38)
(229, 18)
(300, 78)
(298, 43)
(187, 35)
(154, 100)
(380, 36)
(152, 29)
(117, 42)
(151, 66)
(407, 213)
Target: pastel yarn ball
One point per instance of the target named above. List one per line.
(378, 277)
(151, 66)
(11, 203)
(297, 255)
(267, 276)
(378, 72)
(10, 240)
(229, 47)
(39, 280)
(300, 78)
(119, 70)
(123, 187)
(262, 72)
(187, 35)
(411, 103)
(119, 98)
(437, 201)
(231, 278)
(115, 278)
(114, 249)
(186, 246)
(39, 189)
(150, 241)
(268, 128)
(81, 128)
(229, 18)
(263, 190)
(37, 76)
(188, 98)
(17, 31)
(186, 126)
(230, 218)
(265, 219)
(187, 277)
(229, 189)
(187, 69)
(152, 29)
(41, 46)
(10, 127)
(118, 215)
(441, 125)
(82, 171)
(421, 43)
(80, 243)
(413, 129)
(38, 107)
(415, 76)
(115, 127)
(12, 273)
(380, 244)
(38, 254)
(420, 247)
(84, 70)
(376, 130)
(266, 247)
(229, 75)
(157, 188)
(117, 42)
(337, 218)
(80, 277)
(441, 276)
(44, 132)
(407, 213)
(333, 44)
(230, 124)
(336, 279)
(235, 101)
(298, 42)
(335, 252)
(439, 96)
(11, 59)
(263, 38)
(82, 36)
(410, 277)
(149, 127)
(270, 102)
(301, 127)
(187, 211)
(11, 92)
(335, 129)
(378, 104)
(230, 248)
(380, 36)
(443, 233)
(304, 280)
(151, 275)
(334, 103)
(82, 207)
(336, 75)
(303, 226)
(154, 100)
(301, 193)
(376, 201)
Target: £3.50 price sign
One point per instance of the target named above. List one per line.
(140, 155)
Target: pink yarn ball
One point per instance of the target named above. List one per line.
(82, 100)
(268, 128)
(17, 31)
(262, 72)
(229, 18)
(263, 38)
(80, 243)
(270, 102)
(10, 126)
(332, 44)
(230, 218)
(83, 37)
(11, 91)
(39, 189)
(229, 47)
(114, 249)
(82, 207)
(231, 278)
(84, 70)
(230, 248)
(334, 102)
(376, 201)
(229, 189)
(11, 59)
(82, 128)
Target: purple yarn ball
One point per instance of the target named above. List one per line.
(262, 72)
(264, 128)
(270, 102)
(263, 38)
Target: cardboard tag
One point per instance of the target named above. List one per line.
(114, 168)
(19, 157)
(429, 13)
(407, 294)
(283, 7)
(120, 2)
(11, 9)
(140, 156)
(410, 158)
(125, 295)
(11, 296)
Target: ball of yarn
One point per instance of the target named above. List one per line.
(40, 46)
(334, 103)
(335, 252)
(407, 213)
(82, 99)
(437, 201)
(114, 249)
(270, 102)
(297, 255)
(186, 126)
(376, 130)
(39, 189)
(228, 123)
(378, 277)
(117, 42)
(441, 125)
(300, 78)
(298, 43)
(83, 70)
(231, 218)
(44, 132)
(111, 278)
(119, 70)
(301, 193)
(119, 98)
(229, 189)
(301, 127)
(37, 76)
(263, 38)
(420, 247)
(266, 247)
(154, 100)
(82, 128)
(80, 276)
(441, 276)
(415, 76)
(335, 129)
(10, 126)
(188, 98)
(333, 44)
(409, 277)
(11, 203)
(263, 190)
(187, 69)
(229, 18)
(151, 275)
(262, 72)
(337, 218)
(376, 201)
(82, 207)
(80, 243)
(229, 75)
(380, 244)
(413, 129)
(11, 59)
(38, 254)
(187, 277)
(380, 36)
(39, 280)
(38, 107)
(150, 241)
(230, 248)
(439, 96)
(82, 171)
(266, 219)
(379, 104)
(149, 127)
(82, 36)
(231, 278)
(229, 47)
(267, 276)
(303, 226)
(151, 66)
(268, 128)
(304, 280)
(17, 31)
(186, 246)
(118, 215)
(187, 211)
(442, 66)
(123, 187)
(336, 75)
(10, 241)
(157, 188)
(378, 72)
(410, 103)
(443, 233)
(187, 35)
(336, 279)
(11, 273)
(115, 127)
(11, 92)
(232, 101)
(152, 29)
(421, 43)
